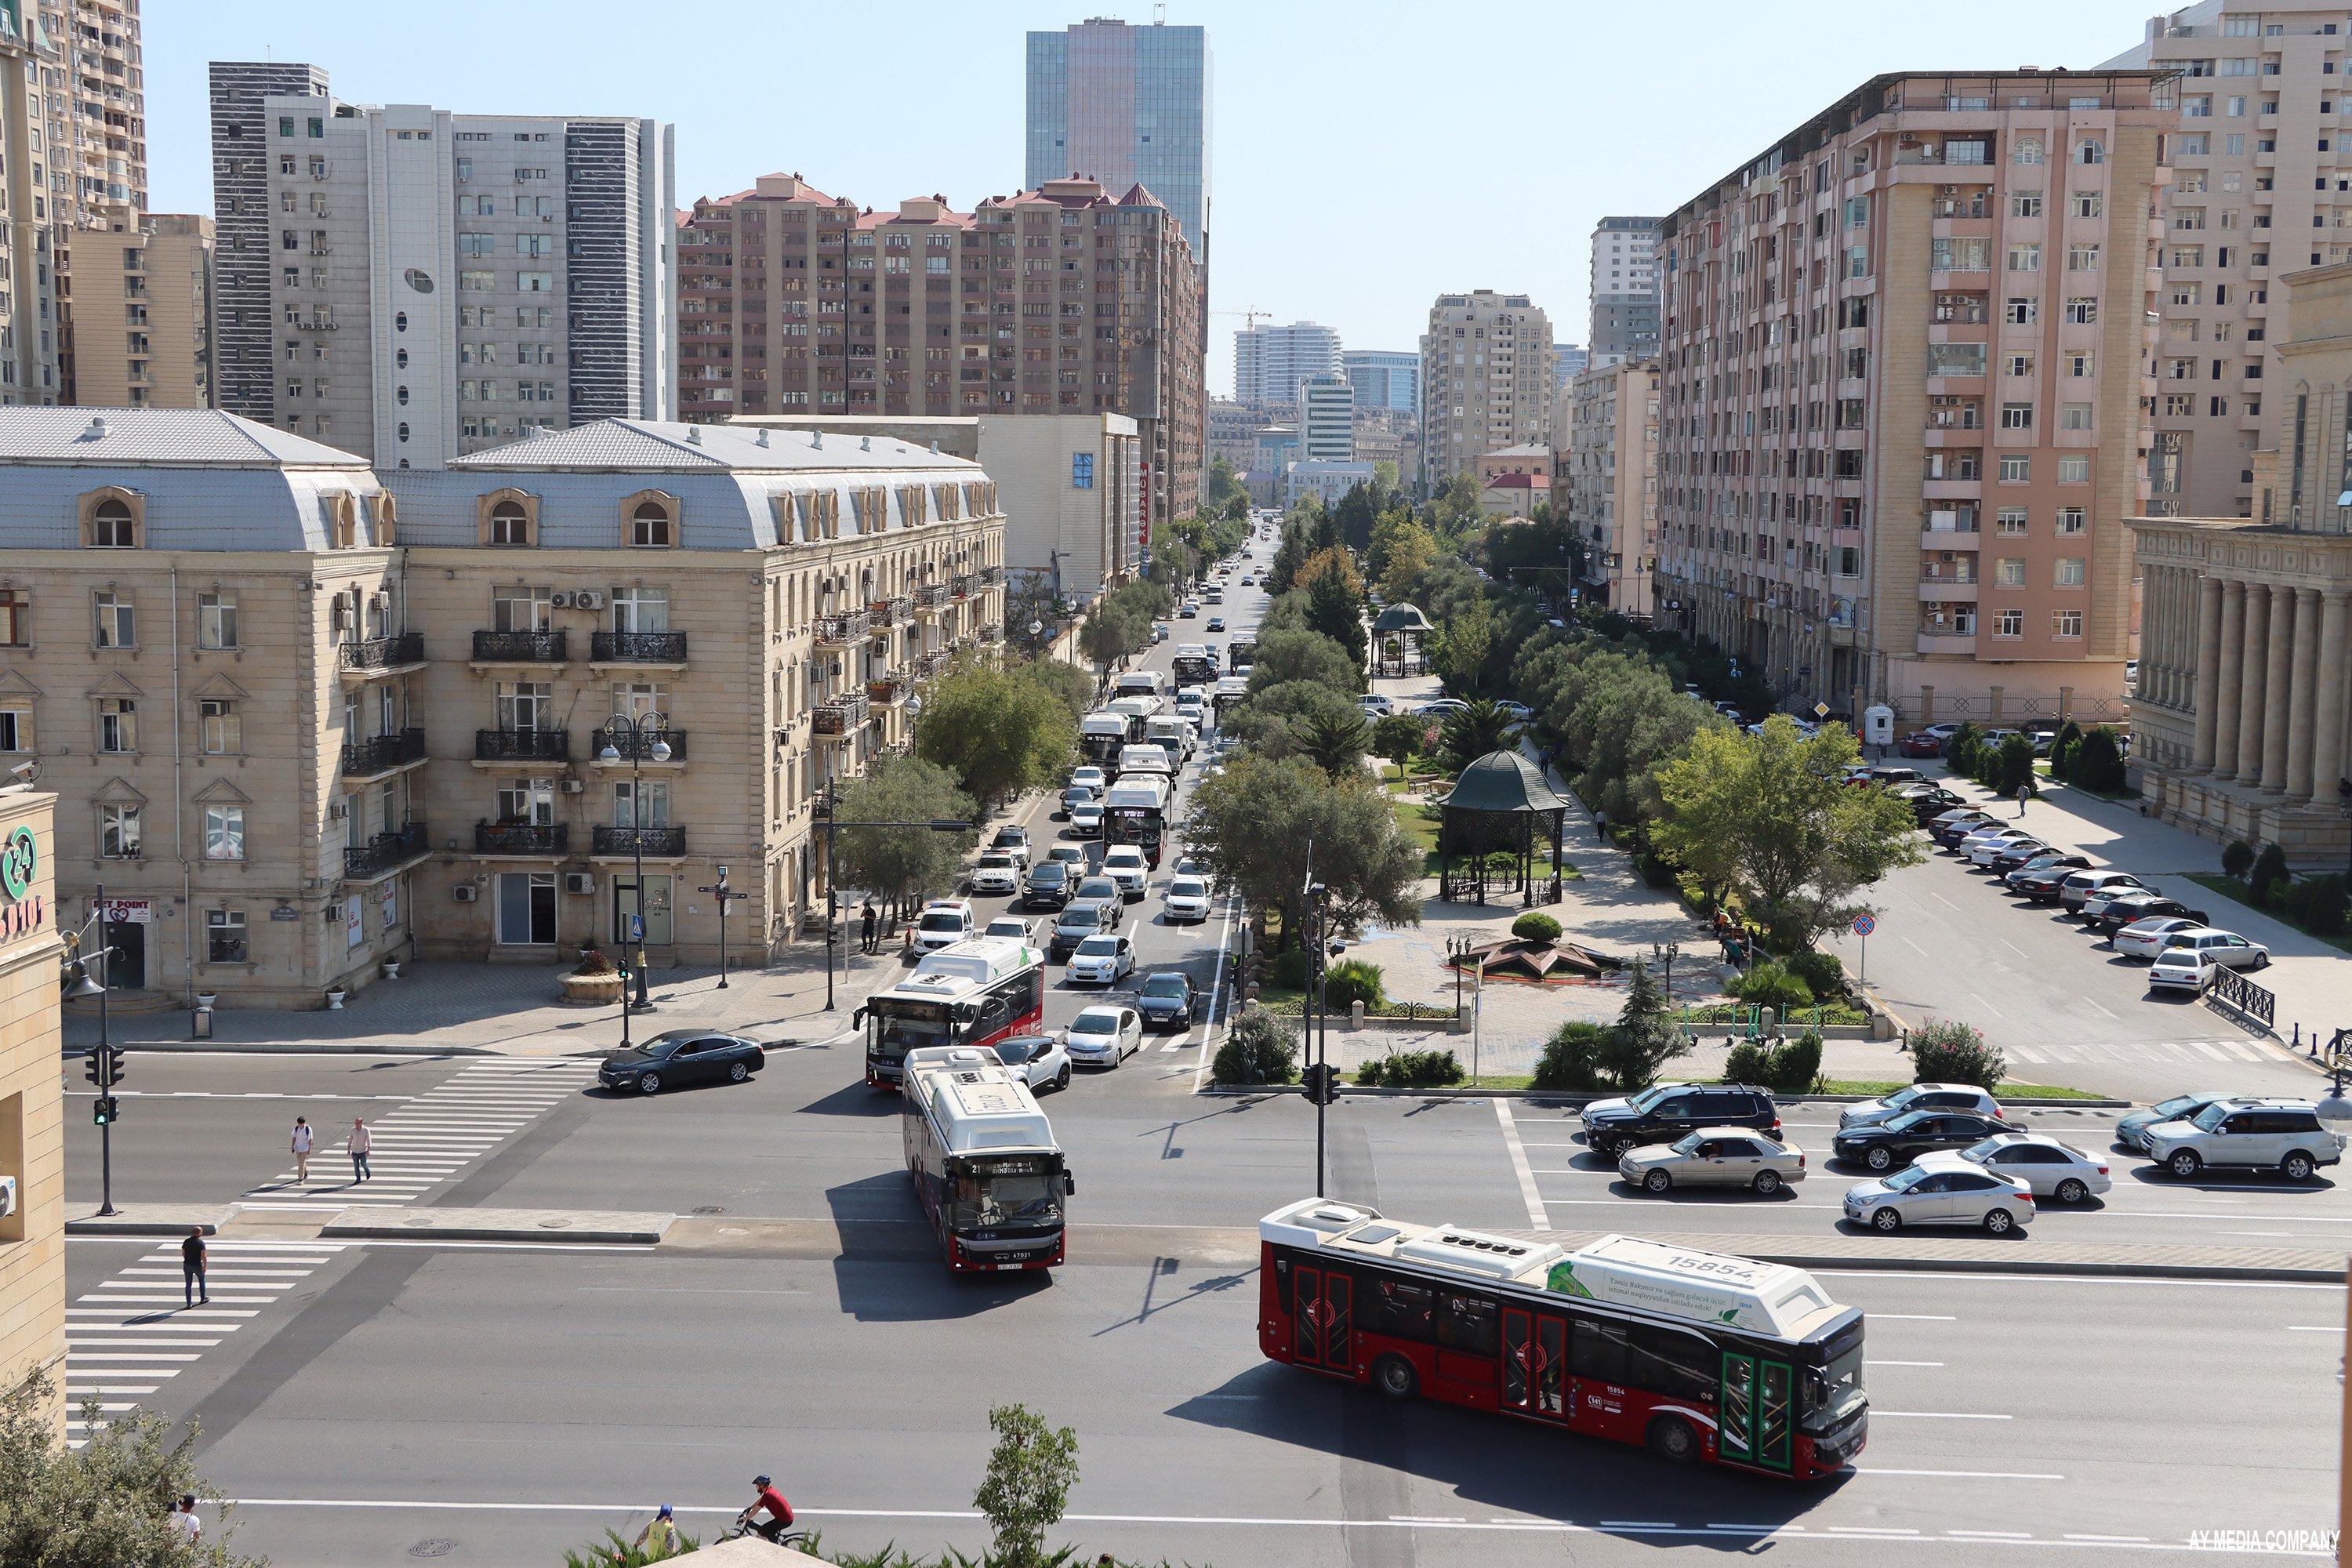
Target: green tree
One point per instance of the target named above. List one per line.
(1275, 720)
(1768, 816)
(1288, 557)
(901, 863)
(1384, 474)
(108, 1504)
(1397, 737)
(1454, 508)
(1068, 682)
(1645, 1037)
(1030, 1474)
(1466, 734)
(1462, 645)
(2016, 766)
(1287, 655)
(1335, 609)
(1260, 1048)
(1547, 553)
(2099, 761)
(1118, 624)
(1223, 485)
(998, 732)
(1354, 514)
(1334, 744)
(1252, 823)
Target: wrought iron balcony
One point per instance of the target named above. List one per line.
(842, 716)
(966, 585)
(992, 633)
(387, 851)
(891, 612)
(523, 745)
(929, 663)
(841, 631)
(637, 647)
(992, 575)
(381, 754)
(519, 647)
(887, 693)
(383, 653)
(931, 595)
(638, 746)
(522, 839)
(639, 841)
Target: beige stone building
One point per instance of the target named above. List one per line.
(1488, 377)
(32, 1107)
(2241, 719)
(1606, 456)
(311, 724)
(1906, 363)
(160, 289)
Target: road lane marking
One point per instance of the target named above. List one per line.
(1216, 994)
(1528, 1190)
(1936, 1416)
(2313, 1328)
(1902, 1364)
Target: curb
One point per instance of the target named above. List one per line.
(1578, 1098)
(2055, 1268)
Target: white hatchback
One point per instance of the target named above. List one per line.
(1104, 960)
(1105, 1036)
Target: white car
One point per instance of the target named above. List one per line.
(1103, 960)
(1440, 708)
(1040, 1059)
(2226, 948)
(1085, 821)
(1014, 928)
(2081, 888)
(997, 872)
(1091, 778)
(944, 922)
(2144, 940)
(1376, 706)
(1106, 1036)
(1984, 848)
(2180, 969)
(1125, 864)
(2049, 1168)
(1187, 899)
(1925, 1194)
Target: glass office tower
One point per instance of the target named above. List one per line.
(1125, 105)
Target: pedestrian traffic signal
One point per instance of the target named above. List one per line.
(1322, 1081)
(103, 1111)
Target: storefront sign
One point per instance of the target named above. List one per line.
(128, 912)
(20, 858)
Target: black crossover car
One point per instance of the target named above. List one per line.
(1047, 886)
(681, 1057)
(1664, 1113)
(1890, 1144)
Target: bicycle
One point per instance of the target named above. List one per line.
(743, 1527)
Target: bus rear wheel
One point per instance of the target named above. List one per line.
(1672, 1439)
(1393, 1375)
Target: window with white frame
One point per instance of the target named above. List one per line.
(117, 620)
(117, 725)
(224, 936)
(2069, 572)
(118, 832)
(220, 732)
(223, 833)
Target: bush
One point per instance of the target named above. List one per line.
(1349, 983)
(1750, 1061)
(1571, 1058)
(1411, 1069)
(1289, 969)
(1798, 1067)
(1655, 870)
(1767, 984)
(2013, 766)
(2063, 750)
(1947, 1051)
(1261, 1047)
(1536, 926)
(2099, 761)
(2269, 877)
(1823, 974)
(2316, 904)
(2237, 859)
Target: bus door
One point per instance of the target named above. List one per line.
(1535, 1363)
(1758, 1411)
(1323, 1320)
(1599, 1360)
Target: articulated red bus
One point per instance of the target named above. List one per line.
(1696, 1354)
(975, 992)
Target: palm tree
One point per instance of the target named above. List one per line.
(1334, 743)
(1468, 734)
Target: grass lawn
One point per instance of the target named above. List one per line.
(2235, 891)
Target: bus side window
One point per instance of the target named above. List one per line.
(1669, 1363)
(1467, 1323)
(1596, 1352)
(1388, 1305)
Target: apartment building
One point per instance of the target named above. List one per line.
(1623, 285)
(1327, 415)
(161, 291)
(1384, 378)
(313, 717)
(1232, 430)
(2261, 185)
(1486, 379)
(32, 1102)
(436, 284)
(246, 341)
(28, 306)
(94, 118)
(1902, 393)
(1270, 364)
(1568, 361)
(1605, 449)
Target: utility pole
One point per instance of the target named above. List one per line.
(725, 897)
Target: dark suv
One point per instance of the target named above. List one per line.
(1081, 918)
(1047, 886)
(1664, 1113)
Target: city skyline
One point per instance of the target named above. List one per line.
(1270, 255)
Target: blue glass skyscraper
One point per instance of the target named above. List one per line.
(1128, 106)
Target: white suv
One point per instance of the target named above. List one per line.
(945, 921)
(2281, 1135)
(1125, 864)
(997, 872)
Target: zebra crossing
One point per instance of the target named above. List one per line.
(2184, 1053)
(431, 1138)
(125, 1338)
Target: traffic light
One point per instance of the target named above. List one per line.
(94, 1069)
(1322, 1081)
(105, 1110)
(113, 1060)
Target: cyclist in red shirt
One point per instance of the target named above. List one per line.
(780, 1512)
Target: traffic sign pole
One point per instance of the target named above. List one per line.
(1862, 926)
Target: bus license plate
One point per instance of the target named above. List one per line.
(1005, 1266)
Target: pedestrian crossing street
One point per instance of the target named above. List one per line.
(125, 1338)
(430, 1139)
(2184, 1053)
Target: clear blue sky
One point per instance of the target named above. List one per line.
(1369, 156)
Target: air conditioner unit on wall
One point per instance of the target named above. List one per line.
(562, 598)
(466, 892)
(579, 882)
(573, 786)
(589, 599)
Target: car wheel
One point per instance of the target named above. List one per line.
(1767, 1182)
(2262, 961)
(2000, 1222)
(2185, 1164)
(650, 1083)
(739, 1072)
(1393, 1375)
(2297, 1166)
(1879, 1158)
(2071, 1191)
(1887, 1221)
(1062, 1079)
(1673, 1439)
(1657, 1181)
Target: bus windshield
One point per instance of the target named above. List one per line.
(1832, 1391)
(891, 1035)
(1012, 1193)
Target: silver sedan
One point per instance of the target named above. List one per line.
(1715, 1156)
(2048, 1168)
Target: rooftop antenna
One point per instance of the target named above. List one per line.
(763, 439)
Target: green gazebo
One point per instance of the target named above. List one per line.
(1403, 626)
(1501, 804)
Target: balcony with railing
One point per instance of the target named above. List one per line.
(841, 717)
(523, 745)
(378, 655)
(666, 842)
(990, 576)
(518, 647)
(992, 633)
(638, 746)
(636, 647)
(965, 586)
(893, 611)
(886, 694)
(843, 630)
(928, 665)
(932, 597)
(387, 851)
(382, 753)
(522, 839)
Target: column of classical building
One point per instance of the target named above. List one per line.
(2223, 758)
(2208, 678)
(2276, 693)
(2327, 718)
(2254, 672)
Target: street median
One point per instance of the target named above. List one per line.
(578, 1226)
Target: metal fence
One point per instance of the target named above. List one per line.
(2255, 1004)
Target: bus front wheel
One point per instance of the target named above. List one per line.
(1393, 1375)
(1673, 1440)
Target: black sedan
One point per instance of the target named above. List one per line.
(2148, 906)
(1909, 1136)
(682, 1057)
(2040, 877)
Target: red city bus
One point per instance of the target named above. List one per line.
(975, 992)
(1698, 1356)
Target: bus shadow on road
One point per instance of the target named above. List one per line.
(890, 1267)
(1502, 1462)
(859, 1099)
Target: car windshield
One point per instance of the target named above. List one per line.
(2209, 1120)
(1093, 1024)
(1012, 1053)
(1097, 888)
(1830, 1393)
(942, 920)
(1185, 888)
(1007, 928)
(1051, 871)
(996, 1198)
(1908, 1120)
(1904, 1180)
(1687, 1144)
(1901, 1098)
(1649, 1097)
(1078, 917)
(1981, 1151)
(1099, 947)
(994, 861)
(1164, 985)
(2179, 1105)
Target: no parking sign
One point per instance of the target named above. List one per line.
(1864, 925)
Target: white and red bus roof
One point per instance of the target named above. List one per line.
(965, 968)
(973, 1103)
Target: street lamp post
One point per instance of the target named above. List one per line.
(1458, 953)
(832, 824)
(637, 729)
(102, 1069)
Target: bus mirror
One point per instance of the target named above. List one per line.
(858, 1019)
(1069, 1184)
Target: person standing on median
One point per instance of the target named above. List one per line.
(357, 1145)
(865, 928)
(301, 1145)
(194, 1289)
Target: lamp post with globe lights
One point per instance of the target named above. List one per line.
(646, 735)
